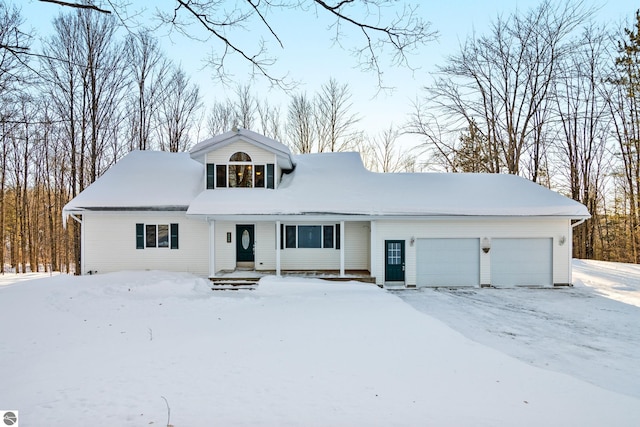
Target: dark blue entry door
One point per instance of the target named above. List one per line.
(245, 243)
(394, 261)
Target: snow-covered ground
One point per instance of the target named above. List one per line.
(109, 349)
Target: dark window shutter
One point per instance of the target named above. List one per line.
(270, 175)
(139, 236)
(337, 236)
(211, 175)
(174, 236)
(281, 236)
(327, 237)
(291, 236)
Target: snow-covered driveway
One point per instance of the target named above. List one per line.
(576, 330)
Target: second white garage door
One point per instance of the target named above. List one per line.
(448, 262)
(522, 262)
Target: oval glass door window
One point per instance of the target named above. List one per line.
(245, 239)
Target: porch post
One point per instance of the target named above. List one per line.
(278, 246)
(342, 245)
(212, 248)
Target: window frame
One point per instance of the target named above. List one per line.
(290, 236)
(260, 175)
(157, 236)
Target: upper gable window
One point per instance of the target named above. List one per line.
(240, 157)
(240, 172)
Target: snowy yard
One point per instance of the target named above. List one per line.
(107, 349)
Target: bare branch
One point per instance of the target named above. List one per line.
(77, 5)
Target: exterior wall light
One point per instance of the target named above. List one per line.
(412, 241)
(486, 245)
(562, 240)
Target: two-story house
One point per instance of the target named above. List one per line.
(241, 200)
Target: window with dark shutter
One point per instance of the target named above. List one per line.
(337, 236)
(210, 176)
(270, 175)
(174, 236)
(139, 236)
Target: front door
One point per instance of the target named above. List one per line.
(245, 244)
(394, 261)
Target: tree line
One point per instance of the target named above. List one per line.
(551, 95)
(91, 93)
(546, 93)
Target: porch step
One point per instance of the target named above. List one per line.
(233, 283)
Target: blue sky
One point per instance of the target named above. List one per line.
(309, 56)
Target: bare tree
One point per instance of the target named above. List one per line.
(177, 113)
(385, 152)
(221, 117)
(245, 107)
(149, 69)
(85, 77)
(334, 119)
(14, 43)
(580, 94)
(269, 120)
(105, 80)
(501, 82)
(300, 123)
(624, 105)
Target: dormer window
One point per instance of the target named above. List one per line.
(240, 172)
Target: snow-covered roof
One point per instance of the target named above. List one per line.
(338, 183)
(282, 151)
(146, 180)
(327, 183)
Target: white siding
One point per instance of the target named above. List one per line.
(258, 155)
(110, 243)
(225, 252)
(357, 246)
(265, 246)
(479, 228)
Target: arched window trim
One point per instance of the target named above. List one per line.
(240, 157)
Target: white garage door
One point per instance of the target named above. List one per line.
(521, 262)
(448, 262)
